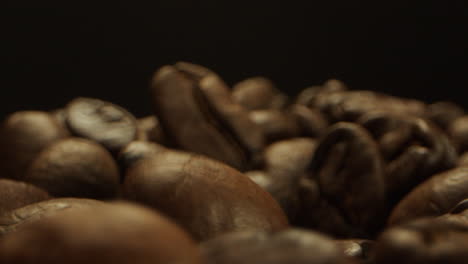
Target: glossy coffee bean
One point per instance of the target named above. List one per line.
(101, 121)
(434, 197)
(198, 114)
(23, 135)
(289, 246)
(16, 219)
(75, 167)
(258, 93)
(114, 233)
(15, 194)
(346, 162)
(204, 196)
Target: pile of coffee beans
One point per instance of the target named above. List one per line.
(233, 175)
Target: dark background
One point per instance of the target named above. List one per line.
(53, 51)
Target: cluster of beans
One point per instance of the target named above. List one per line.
(222, 175)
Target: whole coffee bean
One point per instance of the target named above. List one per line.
(458, 131)
(290, 246)
(413, 150)
(204, 196)
(434, 197)
(15, 194)
(75, 167)
(149, 129)
(443, 113)
(345, 164)
(258, 93)
(101, 121)
(275, 124)
(22, 136)
(427, 240)
(16, 219)
(136, 151)
(113, 233)
(197, 113)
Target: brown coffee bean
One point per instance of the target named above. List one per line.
(443, 113)
(204, 196)
(197, 113)
(112, 233)
(308, 95)
(22, 136)
(15, 194)
(275, 124)
(149, 129)
(458, 131)
(16, 219)
(345, 164)
(75, 167)
(136, 151)
(290, 246)
(434, 197)
(101, 121)
(460, 207)
(463, 160)
(258, 93)
(310, 121)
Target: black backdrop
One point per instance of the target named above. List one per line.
(53, 51)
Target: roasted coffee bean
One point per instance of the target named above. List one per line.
(308, 96)
(443, 113)
(359, 249)
(22, 136)
(15, 194)
(425, 241)
(198, 114)
(136, 151)
(16, 219)
(351, 105)
(204, 196)
(460, 207)
(434, 197)
(275, 124)
(458, 131)
(75, 167)
(311, 122)
(258, 93)
(114, 233)
(346, 162)
(290, 246)
(413, 150)
(149, 129)
(101, 121)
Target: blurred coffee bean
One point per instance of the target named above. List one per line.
(15, 194)
(115, 233)
(101, 121)
(258, 93)
(23, 135)
(136, 151)
(413, 150)
(458, 131)
(460, 207)
(359, 249)
(149, 129)
(16, 219)
(75, 167)
(290, 246)
(275, 124)
(348, 169)
(434, 197)
(308, 95)
(197, 113)
(425, 241)
(463, 160)
(310, 121)
(351, 105)
(204, 196)
(443, 113)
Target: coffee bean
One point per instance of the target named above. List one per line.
(136, 151)
(289, 246)
(117, 233)
(443, 113)
(149, 129)
(75, 167)
(258, 93)
(101, 121)
(16, 219)
(204, 196)
(23, 135)
(15, 194)
(275, 124)
(458, 131)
